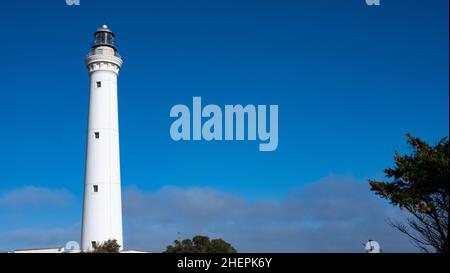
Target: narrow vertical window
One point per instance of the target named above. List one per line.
(97, 135)
(94, 244)
(95, 188)
(99, 84)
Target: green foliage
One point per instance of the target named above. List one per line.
(201, 244)
(110, 246)
(421, 186)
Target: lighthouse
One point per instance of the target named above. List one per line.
(102, 204)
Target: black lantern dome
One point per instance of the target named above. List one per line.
(104, 37)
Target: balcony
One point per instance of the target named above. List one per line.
(99, 52)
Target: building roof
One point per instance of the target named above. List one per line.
(43, 248)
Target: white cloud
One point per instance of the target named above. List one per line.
(32, 197)
(335, 214)
(38, 238)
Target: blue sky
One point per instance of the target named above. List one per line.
(350, 81)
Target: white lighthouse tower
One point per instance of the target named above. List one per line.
(102, 205)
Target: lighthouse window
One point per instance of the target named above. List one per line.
(94, 244)
(99, 84)
(97, 135)
(95, 188)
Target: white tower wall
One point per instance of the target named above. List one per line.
(102, 206)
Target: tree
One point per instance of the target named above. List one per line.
(421, 186)
(110, 246)
(200, 244)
